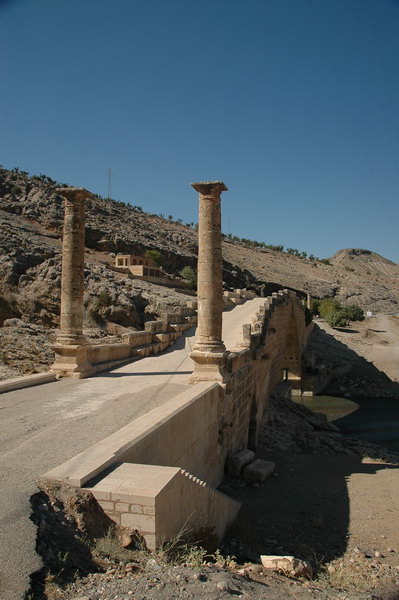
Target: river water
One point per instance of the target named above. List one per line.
(373, 419)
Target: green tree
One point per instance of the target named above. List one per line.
(189, 276)
(337, 318)
(353, 312)
(327, 306)
(155, 256)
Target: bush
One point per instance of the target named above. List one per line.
(353, 313)
(337, 318)
(155, 256)
(190, 276)
(328, 306)
(308, 316)
(103, 300)
(335, 314)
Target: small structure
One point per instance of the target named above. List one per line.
(142, 267)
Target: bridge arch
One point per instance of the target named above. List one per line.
(292, 361)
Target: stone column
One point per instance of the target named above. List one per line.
(70, 350)
(308, 301)
(209, 351)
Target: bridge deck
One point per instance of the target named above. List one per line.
(46, 425)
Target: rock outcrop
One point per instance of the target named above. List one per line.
(31, 220)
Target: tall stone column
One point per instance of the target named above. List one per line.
(209, 351)
(70, 349)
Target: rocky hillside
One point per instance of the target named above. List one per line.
(31, 219)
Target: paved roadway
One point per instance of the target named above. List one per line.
(43, 426)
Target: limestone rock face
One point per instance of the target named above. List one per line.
(31, 219)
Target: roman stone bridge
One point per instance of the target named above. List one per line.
(159, 473)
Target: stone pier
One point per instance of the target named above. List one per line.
(209, 352)
(70, 349)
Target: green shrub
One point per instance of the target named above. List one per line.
(190, 276)
(353, 313)
(308, 316)
(328, 306)
(315, 306)
(337, 318)
(155, 256)
(103, 300)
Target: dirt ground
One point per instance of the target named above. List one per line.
(376, 340)
(331, 501)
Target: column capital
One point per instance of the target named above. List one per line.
(210, 188)
(74, 194)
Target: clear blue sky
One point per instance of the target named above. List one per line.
(294, 104)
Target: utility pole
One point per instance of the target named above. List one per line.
(109, 183)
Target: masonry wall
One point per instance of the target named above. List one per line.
(196, 431)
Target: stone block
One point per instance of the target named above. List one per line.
(288, 564)
(122, 507)
(258, 470)
(237, 462)
(144, 523)
(106, 505)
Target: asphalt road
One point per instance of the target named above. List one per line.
(43, 426)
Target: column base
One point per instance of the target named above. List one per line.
(209, 366)
(72, 361)
(70, 339)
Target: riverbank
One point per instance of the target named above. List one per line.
(365, 356)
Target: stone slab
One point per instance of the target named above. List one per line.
(237, 462)
(288, 564)
(258, 470)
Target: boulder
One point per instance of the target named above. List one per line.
(259, 469)
(287, 564)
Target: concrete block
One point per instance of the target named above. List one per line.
(237, 462)
(258, 470)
